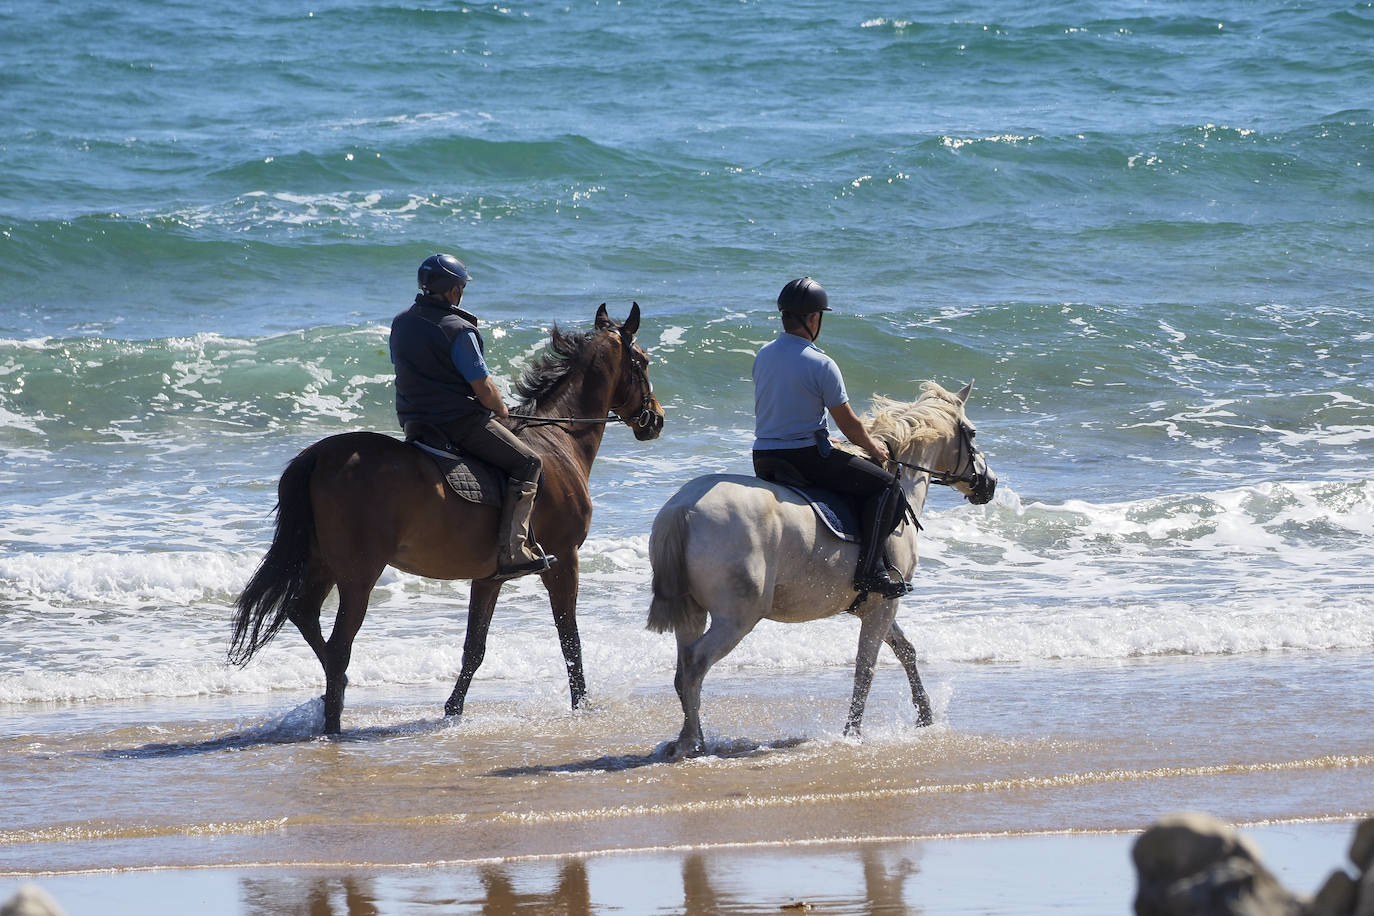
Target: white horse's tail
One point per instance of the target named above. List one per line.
(673, 606)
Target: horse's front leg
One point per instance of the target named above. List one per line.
(906, 654)
(561, 580)
(877, 623)
(481, 605)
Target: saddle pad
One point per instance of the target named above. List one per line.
(473, 480)
(836, 511)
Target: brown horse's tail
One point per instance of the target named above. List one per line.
(276, 587)
(673, 607)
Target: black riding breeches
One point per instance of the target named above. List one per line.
(493, 443)
(840, 471)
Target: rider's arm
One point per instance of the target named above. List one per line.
(853, 429)
(467, 358)
(490, 397)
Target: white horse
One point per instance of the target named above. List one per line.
(741, 549)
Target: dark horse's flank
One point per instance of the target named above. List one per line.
(351, 505)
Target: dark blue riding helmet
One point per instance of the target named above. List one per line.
(802, 297)
(440, 273)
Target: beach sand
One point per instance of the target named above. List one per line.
(1024, 797)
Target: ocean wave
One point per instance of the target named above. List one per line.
(1279, 567)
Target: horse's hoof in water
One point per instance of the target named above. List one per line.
(681, 750)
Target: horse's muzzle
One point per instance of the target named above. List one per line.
(983, 486)
(648, 423)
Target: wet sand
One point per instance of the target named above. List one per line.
(1061, 873)
(1025, 795)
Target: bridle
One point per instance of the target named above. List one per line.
(976, 473)
(644, 416)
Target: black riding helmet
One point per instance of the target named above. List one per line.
(439, 273)
(802, 297)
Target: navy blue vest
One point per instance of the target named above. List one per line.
(429, 388)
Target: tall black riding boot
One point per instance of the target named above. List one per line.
(519, 554)
(880, 517)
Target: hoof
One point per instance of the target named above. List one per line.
(680, 750)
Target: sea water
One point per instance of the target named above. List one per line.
(1142, 230)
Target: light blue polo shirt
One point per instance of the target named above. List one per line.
(794, 384)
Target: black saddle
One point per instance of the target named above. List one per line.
(468, 478)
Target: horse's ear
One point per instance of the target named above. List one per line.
(964, 392)
(631, 325)
(603, 320)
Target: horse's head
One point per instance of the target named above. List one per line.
(934, 436)
(632, 398)
(972, 476)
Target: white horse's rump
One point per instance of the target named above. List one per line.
(735, 550)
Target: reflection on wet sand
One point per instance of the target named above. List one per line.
(572, 894)
(884, 886)
(866, 879)
(699, 896)
(348, 895)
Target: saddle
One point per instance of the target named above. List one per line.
(836, 511)
(839, 512)
(468, 478)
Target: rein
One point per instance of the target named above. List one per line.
(532, 420)
(938, 477)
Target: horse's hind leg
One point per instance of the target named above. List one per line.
(876, 625)
(694, 659)
(691, 739)
(338, 649)
(305, 614)
(481, 605)
(906, 654)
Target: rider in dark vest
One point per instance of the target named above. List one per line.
(442, 384)
(795, 385)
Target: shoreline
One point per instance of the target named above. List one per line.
(759, 846)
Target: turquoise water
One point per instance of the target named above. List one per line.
(1144, 229)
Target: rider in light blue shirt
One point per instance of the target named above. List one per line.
(795, 386)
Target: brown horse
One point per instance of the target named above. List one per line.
(351, 505)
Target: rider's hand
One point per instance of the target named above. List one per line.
(879, 451)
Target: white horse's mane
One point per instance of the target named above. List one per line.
(904, 423)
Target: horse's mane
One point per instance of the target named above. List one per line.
(549, 369)
(903, 423)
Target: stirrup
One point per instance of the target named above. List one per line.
(539, 564)
(882, 585)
